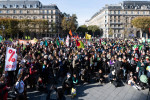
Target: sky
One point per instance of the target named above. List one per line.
(84, 9)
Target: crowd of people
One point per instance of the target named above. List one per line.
(44, 64)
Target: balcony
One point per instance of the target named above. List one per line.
(120, 23)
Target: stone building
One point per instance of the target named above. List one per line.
(32, 9)
(116, 19)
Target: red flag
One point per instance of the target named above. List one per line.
(70, 33)
(100, 41)
(77, 43)
(149, 30)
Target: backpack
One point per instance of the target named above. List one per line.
(117, 83)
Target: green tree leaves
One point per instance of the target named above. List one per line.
(143, 23)
(69, 22)
(11, 27)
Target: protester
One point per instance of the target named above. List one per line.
(43, 65)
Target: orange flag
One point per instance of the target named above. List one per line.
(70, 33)
(77, 37)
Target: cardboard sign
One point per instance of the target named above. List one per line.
(11, 59)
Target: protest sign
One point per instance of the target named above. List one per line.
(11, 59)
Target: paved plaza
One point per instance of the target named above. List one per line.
(99, 92)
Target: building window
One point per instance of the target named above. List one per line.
(43, 12)
(144, 12)
(118, 12)
(11, 6)
(51, 11)
(110, 17)
(31, 6)
(47, 11)
(131, 12)
(14, 11)
(110, 20)
(0, 11)
(7, 11)
(17, 6)
(114, 12)
(138, 12)
(27, 11)
(43, 17)
(126, 12)
(118, 31)
(20, 11)
(114, 21)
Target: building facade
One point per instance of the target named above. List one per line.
(115, 20)
(32, 9)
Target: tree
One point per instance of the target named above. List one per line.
(82, 29)
(110, 32)
(93, 29)
(12, 27)
(143, 23)
(73, 22)
(69, 23)
(9, 27)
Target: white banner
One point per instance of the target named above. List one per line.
(11, 59)
(67, 41)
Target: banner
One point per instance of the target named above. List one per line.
(23, 42)
(67, 41)
(11, 59)
(26, 42)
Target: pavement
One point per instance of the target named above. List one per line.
(98, 92)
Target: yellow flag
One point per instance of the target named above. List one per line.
(35, 40)
(87, 36)
(62, 43)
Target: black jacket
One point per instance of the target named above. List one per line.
(118, 65)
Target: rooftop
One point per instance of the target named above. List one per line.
(125, 5)
(25, 4)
